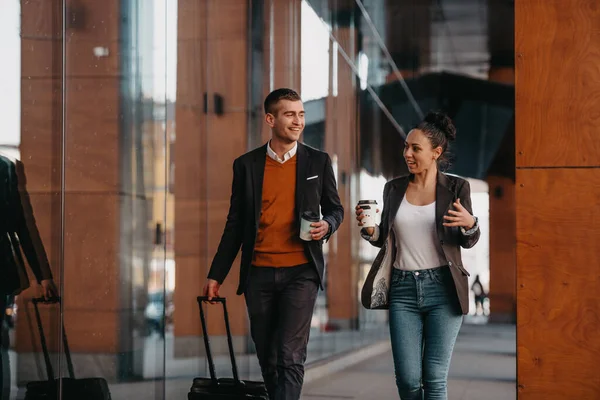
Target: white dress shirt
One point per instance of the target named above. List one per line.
(286, 156)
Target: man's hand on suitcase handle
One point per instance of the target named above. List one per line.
(49, 289)
(211, 290)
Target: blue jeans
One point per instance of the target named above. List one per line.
(425, 318)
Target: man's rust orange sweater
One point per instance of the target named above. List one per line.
(277, 241)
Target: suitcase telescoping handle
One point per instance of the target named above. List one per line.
(211, 364)
(49, 369)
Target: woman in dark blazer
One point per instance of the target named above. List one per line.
(426, 218)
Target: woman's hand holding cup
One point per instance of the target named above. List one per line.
(365, 217)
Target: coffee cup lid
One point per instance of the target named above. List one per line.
(310, 216)
(360, 202)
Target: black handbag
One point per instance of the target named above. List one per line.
(223, 388)
(72, 389)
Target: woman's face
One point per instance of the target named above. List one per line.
(419, 153)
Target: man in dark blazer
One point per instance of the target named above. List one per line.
(280, 274)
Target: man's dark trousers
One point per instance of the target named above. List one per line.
(280, 304)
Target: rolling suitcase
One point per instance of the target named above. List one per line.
(223, 388)
(72, 389)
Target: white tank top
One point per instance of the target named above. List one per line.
(416, 238)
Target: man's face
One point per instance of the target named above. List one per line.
(287, 121)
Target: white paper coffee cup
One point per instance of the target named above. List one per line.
(369, 209)
(306, 219)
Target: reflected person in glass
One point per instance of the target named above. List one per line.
(273, 187)
(18, 235)
(429, 215)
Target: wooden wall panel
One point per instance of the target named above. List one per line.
(212, 60)
(40, 146)
(558, 187)
(286, 42)
(558, 52)
(94, 266)
(408, 35)
(191, 176)
(42, 19)
(227, 72)
(39, 58)
(41, 133)
(281, 49)
(191, 21)
(226, 19)
(92, 20)
(558, 281)
(92, 271)
(191, 78)
(92, 135)
(340, 140)
(91, 268)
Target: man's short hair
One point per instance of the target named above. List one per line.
(279, 94)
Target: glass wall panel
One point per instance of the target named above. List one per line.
(31, 179)
(95, 111)
(116, 300)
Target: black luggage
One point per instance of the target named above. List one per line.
(223, 388)
(72, 389)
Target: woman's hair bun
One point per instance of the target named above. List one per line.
(443, 123)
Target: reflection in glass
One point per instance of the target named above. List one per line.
(314, 41)
(19, 241)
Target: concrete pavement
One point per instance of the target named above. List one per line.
(483, 367)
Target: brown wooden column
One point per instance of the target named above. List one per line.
(41, 153)
(408, 35)
(557, 192)
(191, 177)
(501, 44)
(340, 143)
(212, 60)
(503, 258)
(503, 252)
(281, 48)
(284, 31)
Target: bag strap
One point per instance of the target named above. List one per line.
(49, 368)
(211, 365)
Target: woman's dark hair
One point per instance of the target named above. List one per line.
(440, 130)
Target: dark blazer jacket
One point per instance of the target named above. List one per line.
(318, 194)
(448, 188)
(18, 232)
